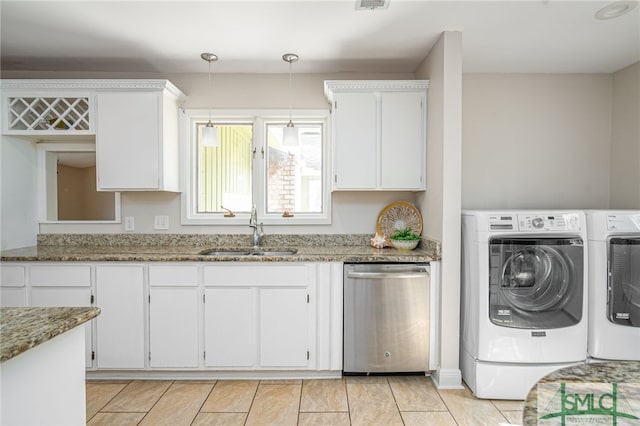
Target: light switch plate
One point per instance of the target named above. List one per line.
(129, 223)
(161, 222)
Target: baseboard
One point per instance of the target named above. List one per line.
(447, 379)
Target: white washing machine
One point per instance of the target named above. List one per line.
(523, 298)
(614, 284)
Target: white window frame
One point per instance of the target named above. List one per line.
(259, 118)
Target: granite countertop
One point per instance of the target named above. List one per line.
(24, 328)
(179, 248)
(584, 379)
(187, 254)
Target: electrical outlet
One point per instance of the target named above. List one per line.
(161, 222)
(129, 223)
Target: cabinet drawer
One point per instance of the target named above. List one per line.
(258, 275)
(61, 276)
(173, 275)
(11, 276)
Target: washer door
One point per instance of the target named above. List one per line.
(623, 303)
(536, 283)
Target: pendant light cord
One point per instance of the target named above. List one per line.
(290, 92)
(210, 91)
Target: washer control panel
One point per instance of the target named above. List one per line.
(549, 222)
(623, 222)
(502, 222)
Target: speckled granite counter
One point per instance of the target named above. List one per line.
(183, 248)
(602, 374)
(24, 328)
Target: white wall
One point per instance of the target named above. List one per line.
(625, 139)
(440, 204)
(536, 141)
(18, 212)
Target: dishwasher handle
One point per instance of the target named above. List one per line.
(383, 275)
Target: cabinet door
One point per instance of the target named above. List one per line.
(60, 296)
(229, 327)
(128, 143)
(283, 327)
(173, 327)
(120, 325)
(63, 284)
(12, 286)
(403, 140)
(354, 141)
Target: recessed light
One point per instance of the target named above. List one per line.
(615, 9)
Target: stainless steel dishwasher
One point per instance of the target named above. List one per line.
(386, 318)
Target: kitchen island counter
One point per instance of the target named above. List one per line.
(42, 374)
(24, 328)
(598, 379)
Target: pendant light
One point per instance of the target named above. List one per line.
(209, 133)
(290, 132)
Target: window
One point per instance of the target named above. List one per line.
(252, 166)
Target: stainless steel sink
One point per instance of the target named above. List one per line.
(244, 252)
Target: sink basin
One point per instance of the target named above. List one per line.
(244, 252)
(273, 252)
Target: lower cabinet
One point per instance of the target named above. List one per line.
(173, 316)
(284, 327)
(13, 292)
(64, 285)
(230, 327)
(120, 336)
(259, 317)
(231, 316)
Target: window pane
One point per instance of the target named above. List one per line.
(224, 171)
(294, 173)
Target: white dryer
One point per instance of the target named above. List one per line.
(614, 284)
(524, 298)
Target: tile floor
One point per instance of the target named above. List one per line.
(388, 400)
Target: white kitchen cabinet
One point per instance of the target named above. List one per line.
(12, 285)
(64, 285)
(259, 316)
(137, 138)
(378, 134)
(198, 316)
(47, 108)
(230, 327)
(120, 327)
(284, 337)
(173, 316)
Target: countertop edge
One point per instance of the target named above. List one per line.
(27, 327)
(144, 254)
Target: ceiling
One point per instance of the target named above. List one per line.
(330, 36)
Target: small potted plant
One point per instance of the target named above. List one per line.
(405, 239)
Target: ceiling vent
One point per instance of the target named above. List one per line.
(371, 4)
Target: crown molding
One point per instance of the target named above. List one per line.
(91, 85)
(337, 86)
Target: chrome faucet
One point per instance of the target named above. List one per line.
(253, 223)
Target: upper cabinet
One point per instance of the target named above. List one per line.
(137, 138)
(134, 123)
(46, 108)
(378, 134)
